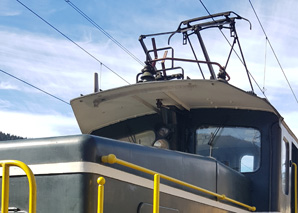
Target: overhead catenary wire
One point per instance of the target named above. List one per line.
(35, 87)
(100, 76)
(273, 51)
(265, 65)
(104, 32)
(68, 38)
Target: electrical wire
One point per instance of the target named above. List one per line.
(265, 65)
(271, 47)
(104, 32)
(31, 85)
(72, 41)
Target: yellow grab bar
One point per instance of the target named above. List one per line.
(101, 181)
(295, 184)
(5, 184)
(156, 193)
(112, 159)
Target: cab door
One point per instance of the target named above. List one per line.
(293, 186)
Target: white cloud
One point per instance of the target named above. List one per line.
(34, 125)
(4, 104)
(6, 9)
(59, 65)
(5, 85)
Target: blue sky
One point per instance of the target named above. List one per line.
(34, 52)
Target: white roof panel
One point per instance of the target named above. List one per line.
(100, 109)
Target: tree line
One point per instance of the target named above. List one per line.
(5, 137)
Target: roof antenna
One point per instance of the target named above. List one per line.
(95, 82)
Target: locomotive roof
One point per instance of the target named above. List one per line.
(104, 108)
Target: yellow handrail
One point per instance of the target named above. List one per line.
(295, 185)
(156, 193)
(111, 159)
(101, 181)
(5, 184)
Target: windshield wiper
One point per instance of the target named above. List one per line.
(212, 137)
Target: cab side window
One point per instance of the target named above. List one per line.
(285, 165)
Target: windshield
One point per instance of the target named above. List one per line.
(236, 147)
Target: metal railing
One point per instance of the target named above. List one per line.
(112, 159)
(5, 184)
(101, 181)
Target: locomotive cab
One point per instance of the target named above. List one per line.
(250, 142)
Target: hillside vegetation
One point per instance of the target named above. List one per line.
(5, 137)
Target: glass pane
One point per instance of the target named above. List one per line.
(233, 146)
(247, 163)
(285, 166)
(145, 138)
